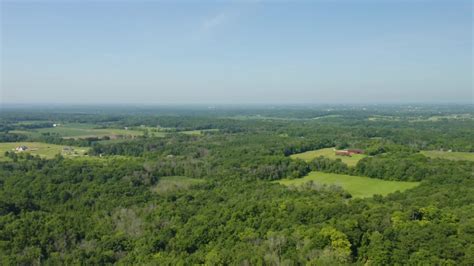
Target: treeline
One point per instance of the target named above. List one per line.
(251, 156)
(342, 126)
(394, 166)
(58, 140)
(9, 137)
(263, 156)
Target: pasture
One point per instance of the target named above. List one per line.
(456, 156)
(45, 150)
(357, 186)
(330, 154)
(174, 183)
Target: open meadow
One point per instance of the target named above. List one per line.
(357, 186)
(174, 183)
(330, 154)
(457, 156)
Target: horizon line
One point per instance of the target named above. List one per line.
(212, 104)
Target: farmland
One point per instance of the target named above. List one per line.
(82, 131)
(357, 186)
(456, 156)
(45, 150)
(77, 130)
(330, 154)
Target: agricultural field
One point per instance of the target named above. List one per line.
(357, 186)
(168, 184)
(330, 154)
(76, 131)
(198, 132)
(456, 156)
(45, 150)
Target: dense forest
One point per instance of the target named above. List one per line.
(110, 206)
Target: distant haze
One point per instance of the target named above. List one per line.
(236, 51)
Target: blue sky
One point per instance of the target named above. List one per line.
(236, 52)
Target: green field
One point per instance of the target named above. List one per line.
(42, 149)
(456, 156)
(174, 183)
(77, 130)
(330, 154)
(357, 186)
(198, 132)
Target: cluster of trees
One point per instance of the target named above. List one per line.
(263, 156)
(392, 166)
(63, 211)
(11, 137)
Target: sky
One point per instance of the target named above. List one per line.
(231, 52)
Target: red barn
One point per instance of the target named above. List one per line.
(343, 153)
(356, 151)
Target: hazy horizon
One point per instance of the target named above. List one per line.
(236, 52)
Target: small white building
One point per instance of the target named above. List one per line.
(21, 148)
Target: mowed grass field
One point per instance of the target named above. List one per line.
(456, 156)
(174, 183)
(42, 149)
(357, 186)
(330, 154)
